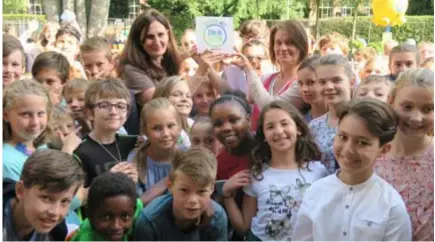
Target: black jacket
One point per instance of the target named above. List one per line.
(58, 233)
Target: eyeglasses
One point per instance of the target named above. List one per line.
(255, 58)
(106, 106)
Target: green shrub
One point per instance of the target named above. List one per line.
(40, 18)
(417, 27)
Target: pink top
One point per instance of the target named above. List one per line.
(413, 178)
(268, 85)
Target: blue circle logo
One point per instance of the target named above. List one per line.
(215, 35)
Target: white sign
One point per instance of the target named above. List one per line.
(215, 33)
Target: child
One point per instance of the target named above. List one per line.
(363, 205)
(97, 58)
(425, 50)
(334, 43)
(61, 124)
(98, 63)
(309, 89)
(374, 86)
(188, 40)
(335, 77)
(106, 106)
(52, 69)
(283, 168)
(402, 58)
(26, 113)
(67, 42)
(230, 116)
(203, 97)
(112, 209)
(34, 207)
(374, 66)
(13, 59)
(188, 68)
(179, 215)
(408, 166)
(177, 90)
(254, 30)
(74, 94)
(202, 136)
(161, 123)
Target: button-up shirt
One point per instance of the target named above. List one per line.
(372, 210)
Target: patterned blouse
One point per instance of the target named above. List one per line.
(413, 177)
(324, 137)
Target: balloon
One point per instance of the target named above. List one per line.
(389, 12)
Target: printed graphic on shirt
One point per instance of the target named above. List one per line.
(281, 204)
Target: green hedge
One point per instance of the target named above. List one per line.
(417, 27)
(40, 18)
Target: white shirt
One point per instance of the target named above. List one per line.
(372, 210)
(279, 195)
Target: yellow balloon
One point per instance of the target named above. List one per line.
(389, 12)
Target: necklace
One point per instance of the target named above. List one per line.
(110, 153)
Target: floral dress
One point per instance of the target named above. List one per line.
(413, 178)
(324, 137)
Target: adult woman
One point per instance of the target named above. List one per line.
(150, 54)
(288, 47)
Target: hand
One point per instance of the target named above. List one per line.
(140, 141)
(71, 141)
(98, 76)
(241, 61)
(241, 179)
(209, 58)
(127, 169)
(207, 215)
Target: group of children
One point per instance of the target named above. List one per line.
(331, 154)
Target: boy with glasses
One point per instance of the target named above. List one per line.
(107, 107)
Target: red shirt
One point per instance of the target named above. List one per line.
(228, 165)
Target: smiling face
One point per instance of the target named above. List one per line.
(257, 56)
(356, 149)
(414, 106)
(27, 117)
(285, 51)
(231, 123)
(334, 84)
(190, 200)
(44, 209)
(12, 67)
(308, 86)
(162, 128)
(280, 131)
(203, 97)
(156, 40)
(109, 114)
(181, 98)
(114, 217)
(96, 62)
(75, 99)
(68, 45)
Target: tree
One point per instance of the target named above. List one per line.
(420, 7)
(14, 6)
(91, 15)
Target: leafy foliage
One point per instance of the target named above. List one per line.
(14, 6)
(417, 27)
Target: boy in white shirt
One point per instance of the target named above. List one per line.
(356, 204)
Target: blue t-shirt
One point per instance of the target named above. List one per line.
(324, 137)
(156, 222)
(13, 161)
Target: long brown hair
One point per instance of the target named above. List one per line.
(134, 53)
(306, 149)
